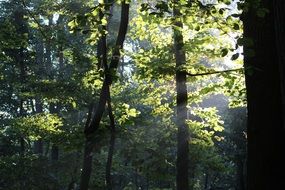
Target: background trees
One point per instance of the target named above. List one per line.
(58, 60)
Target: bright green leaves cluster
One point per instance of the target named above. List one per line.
(124, 114)
(156, 63)
(93, 22)
(93, 80)
(158, 97)
(235, 89)
(207, 127)
(38, 126)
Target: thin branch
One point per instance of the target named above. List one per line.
(35, 20)
(40, 27)
(214, 72)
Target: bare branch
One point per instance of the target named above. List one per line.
(214, 72)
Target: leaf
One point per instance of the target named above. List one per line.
(235, 15)
(132, 112)
(236, 26)
(104, 21)
(197, 28)
(248, 42)
(235, 56)
(73, 104)
(224, 52)
(218, 128)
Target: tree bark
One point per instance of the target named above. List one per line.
(279, 16)
(264, 96)
(181, 101)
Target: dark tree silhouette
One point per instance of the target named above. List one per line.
(264, 94)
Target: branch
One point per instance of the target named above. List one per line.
(214, 72)
(35, 20)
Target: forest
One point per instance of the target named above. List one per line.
(142, 94)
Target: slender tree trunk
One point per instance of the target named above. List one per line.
(93, 124)
(38, 146)
(109, 160)
(54, 148)
(87, 158)
(181, 111)
(48, 55)
(240, 174)
(54, 153)
(87, 164)
(20, 57)
(265, 115)
(206, 182)
(111, 145)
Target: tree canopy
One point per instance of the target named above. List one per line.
(135, 94)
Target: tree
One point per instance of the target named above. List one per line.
(181, 103)
(94, 119)
(265, 131)
(69, 72)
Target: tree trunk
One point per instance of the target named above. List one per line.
(53, 108)
(38, 145)
(111, 145)
(54, 153)
(93, 124)
(20, 61)
(181, 112)
(279, 16)
(87, 164)
(48, 55)
(264, 97)
(109, 160)
(240, 173)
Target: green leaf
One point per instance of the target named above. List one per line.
(132, 112)
(235, 15)
(224, 52)
(236, 26)
(235, 56)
